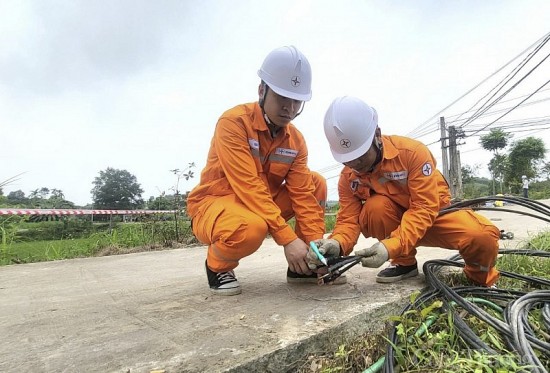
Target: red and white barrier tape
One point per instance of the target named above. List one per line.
(80, 212)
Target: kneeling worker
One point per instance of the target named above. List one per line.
(391, 190)
(256, 178)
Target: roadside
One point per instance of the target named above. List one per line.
(153, 310)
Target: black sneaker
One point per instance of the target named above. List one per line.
(296, 278)
(222, 283)
(396, 273)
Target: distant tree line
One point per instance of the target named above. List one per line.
(113, 189)
(523, 157)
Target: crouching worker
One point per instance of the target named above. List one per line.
(390, 189)
(256, 178)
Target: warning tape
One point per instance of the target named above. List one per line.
(80, 212)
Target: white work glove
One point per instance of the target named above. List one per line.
(374, 256)
(327, 247)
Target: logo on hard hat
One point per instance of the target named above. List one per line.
(345, 143)
(295, 81)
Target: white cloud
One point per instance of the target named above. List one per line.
(139, 85)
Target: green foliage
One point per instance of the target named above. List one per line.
(475, 190)
(43, 198)
(162, 202)
(495, 140)
(539, 190)
(81, 239)
(545, 171)
(330, 222)
(428, 340)
(116, 189)
(523, 159)
(66, 228)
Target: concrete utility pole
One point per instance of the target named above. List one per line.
(455, 172)
(444, 149)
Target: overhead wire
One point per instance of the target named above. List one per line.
(484, 107)
(431, 126)
(507, 112)
(429, 120)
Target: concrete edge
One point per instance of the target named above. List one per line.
(287, 359)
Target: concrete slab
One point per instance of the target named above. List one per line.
(146, 311)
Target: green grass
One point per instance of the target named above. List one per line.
(440, 348)
(123, 238)
(40, 251)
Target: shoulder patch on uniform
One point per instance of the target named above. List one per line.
(354, 185)
(427, 169)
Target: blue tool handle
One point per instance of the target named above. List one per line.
(316, 251)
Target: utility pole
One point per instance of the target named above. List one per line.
(455, 172)
(444, 149)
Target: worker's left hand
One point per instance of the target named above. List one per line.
(374, 256)
(327, 247)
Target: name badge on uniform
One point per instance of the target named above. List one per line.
(396, 175)
(286, 152)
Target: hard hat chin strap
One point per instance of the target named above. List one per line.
(300, 111)
(379, 148)
(262, 99)
(261, 102)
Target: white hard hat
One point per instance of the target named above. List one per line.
(350, 125)
(523, 177)
(287, 72)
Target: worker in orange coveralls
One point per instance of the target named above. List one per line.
(391, 190)
(256, 178)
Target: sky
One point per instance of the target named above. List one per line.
(139, 85)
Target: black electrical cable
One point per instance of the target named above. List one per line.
(522, 338)
(514, 325)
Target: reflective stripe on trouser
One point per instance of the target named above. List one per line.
(473, 235)
(233, 232)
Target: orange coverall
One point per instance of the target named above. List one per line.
(251, 185)
(398, 203)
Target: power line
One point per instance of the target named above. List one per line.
(542, 86)
(421, 127)
(508, 78)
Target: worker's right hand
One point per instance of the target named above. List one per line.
(327, 247)
(296, 256)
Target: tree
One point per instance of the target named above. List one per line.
(162, 202)
(473, 185)
(468, 173)
(497, 166)
(495, 140)
(545, 170)
(116, 189)
(57, 200)
(17, 198)
(523, 159)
